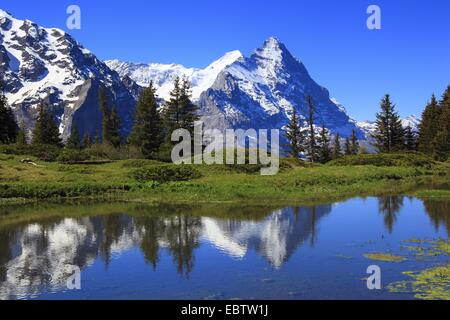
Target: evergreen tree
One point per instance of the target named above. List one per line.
(147, 130)
(324, 143)
(8, 124)
(172, 110)
(337, 151)
(294, 135)
(428, 130)
(312, 147)
(74, 141)
(87, 141)
(410, 139)
(347, 147)
(179, 111)
(389, 134)
(22, 135)
(110, 120)
(114, 127)
(188, 108)
(442, 140)
(354, 143)
(46, 131)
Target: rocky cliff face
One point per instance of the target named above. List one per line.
(41, 65)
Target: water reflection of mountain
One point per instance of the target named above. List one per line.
(276, 237)
(35, 255)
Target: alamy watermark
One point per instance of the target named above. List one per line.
(213, 146)
(74, 20)
(374, 20)
(374, 280)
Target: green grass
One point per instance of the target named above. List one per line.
(296, 183)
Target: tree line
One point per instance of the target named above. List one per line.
(151, 132)
(432, 137)
(315, 145)
(306, 136)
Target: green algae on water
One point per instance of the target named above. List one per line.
(386, 257)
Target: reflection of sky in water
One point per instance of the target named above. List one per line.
(295, 252)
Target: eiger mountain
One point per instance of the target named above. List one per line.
(255, 92)
(46, 65)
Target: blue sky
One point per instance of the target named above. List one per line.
(408, 58)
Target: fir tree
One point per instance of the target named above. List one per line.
(428, 128)
(410, 139)
(389, 134)
(442, 141)
(180, 112)
(114, 127)
(87, 141)
(337, 151)
(347, 147)
(294, 135)
(188, 109)
(8, 124)
(46, 131)
(354, 147)
(147, 130)
(22, 135)
(74, 141)
(172, 110)
(110, 121)
(312, 147)
(324, 143)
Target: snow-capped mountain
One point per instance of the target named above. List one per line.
(163, 75)
(47, 65)
(263, 90)
(256, 92)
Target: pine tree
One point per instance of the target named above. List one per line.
(114, 127)
(147, 130)
(428, 128)
(442, 141)
(21, 139)
(294, 135)
(312, 147)
(324, 143)
(337, 151)
(347, 147)
(188, 109)
(46, 131)
(74, 141)
(410, 139)
(172, 110)
(389, 134)
(87, 141)
(110, 121)
(354, 143)
(8, 124)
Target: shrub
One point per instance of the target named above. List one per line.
(72, 156)
(108, 152)
(166, 173)
(405, 159)
(42, 152)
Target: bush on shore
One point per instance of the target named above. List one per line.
(166, 173)
(405, 159)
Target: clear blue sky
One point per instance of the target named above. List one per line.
(408, 58)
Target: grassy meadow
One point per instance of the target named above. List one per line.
(152, 181)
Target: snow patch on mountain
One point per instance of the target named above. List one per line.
(163, 75)
(46, 65)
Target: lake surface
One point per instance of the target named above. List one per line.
(215, 252)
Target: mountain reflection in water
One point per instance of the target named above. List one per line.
(34, 252)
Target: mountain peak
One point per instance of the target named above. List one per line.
(272, 49)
